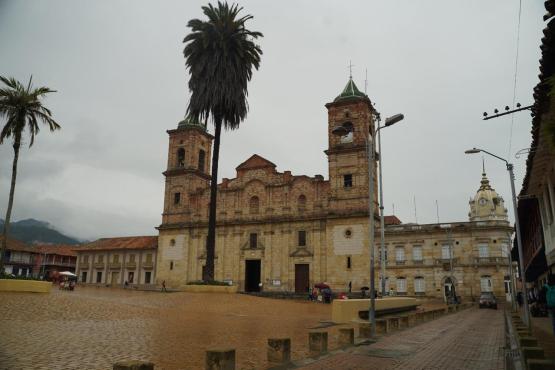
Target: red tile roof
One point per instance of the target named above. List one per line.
(391, 220)
(16, 245)
(59, 249)
(126, 242)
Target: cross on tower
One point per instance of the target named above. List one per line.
(351, 65)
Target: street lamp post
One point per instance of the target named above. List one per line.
(342, 131)
(517, 226)
(388, 122)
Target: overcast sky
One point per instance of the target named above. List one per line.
(121, 82)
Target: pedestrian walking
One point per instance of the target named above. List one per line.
(519, 299)
(350, 286)
(548, 291)
(164, 286)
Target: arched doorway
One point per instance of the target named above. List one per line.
(449, 292)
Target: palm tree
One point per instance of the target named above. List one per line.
(22, 108)
(220, 54)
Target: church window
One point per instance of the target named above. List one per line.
(401, 285)
(301, 203)
(348, 233)
(348, 181)
(253, 240)
(349, 262)
(180, 157)
(201, 157)
(171, 265)
(254, 205)
(302, 238)
(419, 285)
(483, 251)
(485, 283)
(172, 243)
(176, 198)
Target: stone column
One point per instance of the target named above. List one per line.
(279, 350)
(220, 359)
(317, 342)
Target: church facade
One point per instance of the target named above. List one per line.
(282, 232)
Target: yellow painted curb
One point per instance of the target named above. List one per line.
(34, 286)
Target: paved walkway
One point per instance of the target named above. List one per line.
(471, 339)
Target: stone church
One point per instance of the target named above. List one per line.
(282, 232)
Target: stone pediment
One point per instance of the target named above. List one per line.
(301, 252)
(255, 162)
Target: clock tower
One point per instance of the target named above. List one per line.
(487, 205)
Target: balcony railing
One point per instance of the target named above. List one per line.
(131, 265)
(490, 260)
(400, 262)
(84, 266)
(99, 265)
(417, 262)
(115, 265)
(148, 265)
(443, 261)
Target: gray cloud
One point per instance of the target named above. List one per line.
(119, 71)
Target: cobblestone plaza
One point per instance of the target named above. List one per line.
(91, 328)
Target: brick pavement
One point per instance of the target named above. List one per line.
(91, 328)
(471, 339)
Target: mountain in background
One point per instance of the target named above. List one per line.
(33, 231)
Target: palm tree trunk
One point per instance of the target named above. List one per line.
(208, 274)
(4, 244)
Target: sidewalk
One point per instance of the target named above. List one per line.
(471, 339)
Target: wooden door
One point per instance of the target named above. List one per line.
(302, 278)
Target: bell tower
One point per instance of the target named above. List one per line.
(347, 155)
(188, 169)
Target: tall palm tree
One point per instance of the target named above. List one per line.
(22, 108)
(220, 54)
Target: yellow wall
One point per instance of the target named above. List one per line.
(12, 285)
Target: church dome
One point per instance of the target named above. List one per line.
(189, 122)
(350, 91)
(487, 205)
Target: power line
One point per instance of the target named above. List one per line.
(515, 79)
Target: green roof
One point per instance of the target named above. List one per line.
(350, 91)
(189, 122)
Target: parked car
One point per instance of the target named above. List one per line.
(488, 300)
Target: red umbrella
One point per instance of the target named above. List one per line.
(322, 286)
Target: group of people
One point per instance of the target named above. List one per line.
(320, 295)
(67, 285)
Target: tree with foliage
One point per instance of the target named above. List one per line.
(220, 54)
(22, 108)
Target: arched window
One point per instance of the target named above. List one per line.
(254, 205)
(301, 203)
(180, 157)
(201, 157)
(349, 137)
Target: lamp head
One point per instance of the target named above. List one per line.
(340, 131)
(393, 119)
(472, 151)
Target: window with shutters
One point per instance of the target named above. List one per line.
(485, 284)
(400, 255)
(483, 250)
(445, 251)
(417, 254)
(419, 285)
(401, 285)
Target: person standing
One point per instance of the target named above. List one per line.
(548, 291)
(164, 286)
